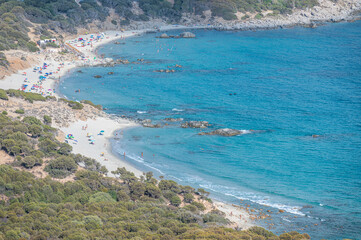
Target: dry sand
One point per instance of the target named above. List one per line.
(101, 142)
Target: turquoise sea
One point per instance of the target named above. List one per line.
(289, 84)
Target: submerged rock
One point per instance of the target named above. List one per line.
(110, 73)
(173, 119)
(151, 125)
(195, 124)
(97, 76)
(227, 132)
(187, 35)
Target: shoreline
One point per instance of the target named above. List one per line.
(112, 126)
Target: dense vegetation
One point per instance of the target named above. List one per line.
(97, 207)
(16, 17)
(92, 205)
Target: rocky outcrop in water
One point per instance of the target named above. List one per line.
(173, 119)
(151, 125)
(97, 76)
(195, 124)
(165, 70)
(226, 132)
(187, 35)
(164, 35)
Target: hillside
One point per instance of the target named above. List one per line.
(48, 192)
(22, 22)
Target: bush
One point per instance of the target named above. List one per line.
(261, 231)
(52, 45)
(199, 205)
(20, 111)
(212, 217)
(4, 113)
(30, 97)
(32, 47)
(30, 161)
(92, 104)
(101, 197)
(72, 104)
(47, 120)
(188, 198)
(35, 130)
(175, 201)
(3, 95)
(258, 16)
(61, 167)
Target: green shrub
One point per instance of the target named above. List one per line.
(20, 111)
(72, 104)
(52, 45)
(258, 16)
(199, 205)
(188, 198)
(175, 201)
(32, 121)
(212, 217)
(92, 104)
(61, 167)
(101, 197)
(32, 47)
(30, 161)
(47, 120)
(3, 95)
(4, 113)
(28, 96)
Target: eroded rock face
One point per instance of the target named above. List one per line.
(187, 35)
(227, 132)
(195, 124)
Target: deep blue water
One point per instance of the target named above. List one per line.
(290, 84)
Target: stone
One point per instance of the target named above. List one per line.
(226, 132)
(97, 76)
(187, 35)
(110, 73)
(173, 119)
(195, 124)
(150, 125)
(163, 35)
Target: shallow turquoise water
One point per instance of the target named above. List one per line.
(289, 83)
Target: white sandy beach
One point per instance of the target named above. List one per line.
(101, 149)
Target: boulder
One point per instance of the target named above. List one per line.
(195, 124)
(187, 35)
(163, 35)
(226, 132)
(97, 76)
(110, 73)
